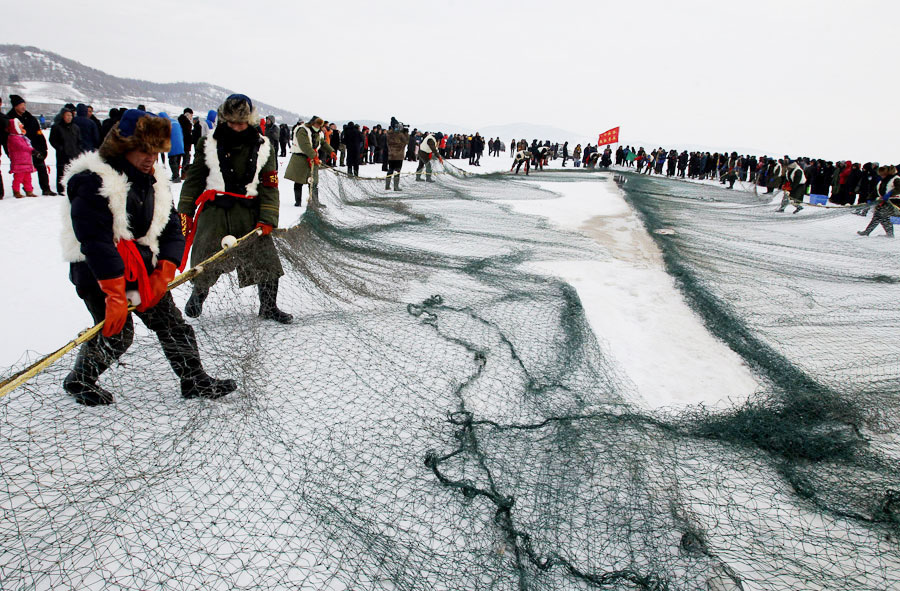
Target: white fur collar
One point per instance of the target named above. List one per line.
(114, 186)
(216, 181)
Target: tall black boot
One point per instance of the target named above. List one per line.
(194, 306)
(179, 344)
(81, 382)
(396, 181)
(268, 306)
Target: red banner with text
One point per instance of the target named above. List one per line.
(609, 137)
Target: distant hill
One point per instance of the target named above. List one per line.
(47, 81)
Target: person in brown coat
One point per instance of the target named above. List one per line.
(397, 141)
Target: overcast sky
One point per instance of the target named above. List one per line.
(803, 77)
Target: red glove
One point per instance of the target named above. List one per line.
(787, 186)
(266, 228)
(314, 161)
(116, 305)
(187, 223)
(159, 283)
(441, 160)
(430, 154)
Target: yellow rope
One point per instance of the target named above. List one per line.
(20, 378)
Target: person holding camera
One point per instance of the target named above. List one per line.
(397, 142)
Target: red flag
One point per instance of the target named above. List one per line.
(609, 137)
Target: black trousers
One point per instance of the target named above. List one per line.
(174, 163)
(41, 167)
(353, 164)
(298, 193)
(177, 338)
(61, 163)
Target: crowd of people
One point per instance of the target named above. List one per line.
(128, 236)
(869, 185)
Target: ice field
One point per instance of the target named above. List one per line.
(492, 382)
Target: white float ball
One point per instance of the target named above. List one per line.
(134, 297)
(228, 241)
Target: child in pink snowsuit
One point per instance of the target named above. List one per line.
(20, 163)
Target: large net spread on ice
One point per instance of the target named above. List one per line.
(439, 417)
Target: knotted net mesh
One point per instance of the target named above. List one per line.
(440, 417)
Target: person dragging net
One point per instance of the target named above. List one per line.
(124, 236)
(428, 149)
(232, 188)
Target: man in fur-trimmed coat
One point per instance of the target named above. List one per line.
(794, 186)
(124, 235)
(428, 149)
(303, 167)
(235, 177)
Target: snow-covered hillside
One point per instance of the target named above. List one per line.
(48, 81)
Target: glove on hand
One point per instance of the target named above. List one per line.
(116, 305)
(159, 284)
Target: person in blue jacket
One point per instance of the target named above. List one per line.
(176, 154)
(124, 235)
(90, 135)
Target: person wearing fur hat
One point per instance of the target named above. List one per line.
(303, 167)
(65, 137)
(123, 236)
(35, 136)
(428, 149)
(230, 189)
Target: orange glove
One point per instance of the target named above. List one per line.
(116, 305)
(187, 223)
(159, 283)
(441, 160)
(786, 186)
(266, 228)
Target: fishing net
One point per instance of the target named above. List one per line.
(441, 416)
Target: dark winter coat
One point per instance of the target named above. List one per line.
(32, 131)
(92, 222)
(273, 132)
(66, 140)
(4, 131)
(353, 140)
(868, 184)
(187, 131)
(284, 133)
(90, 133)
(108, 124)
